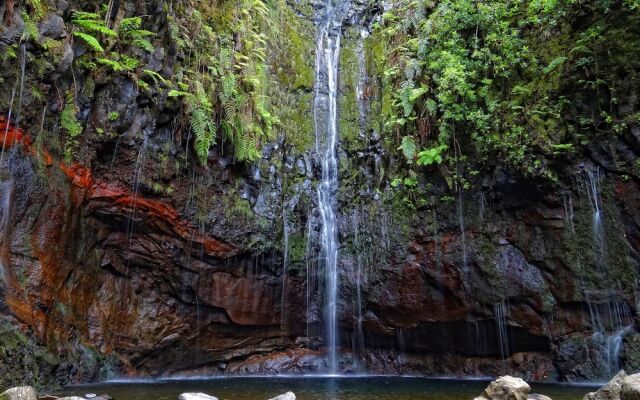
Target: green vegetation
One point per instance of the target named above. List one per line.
(224, 86)
(70, 125)
(466, 83)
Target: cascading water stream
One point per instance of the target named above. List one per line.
(7, 182)
(610, 321)
(325, 109)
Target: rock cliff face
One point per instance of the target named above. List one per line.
(133, 260)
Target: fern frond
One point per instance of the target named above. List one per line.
(177, 93)
(144, 44)
(86, 15)
(204, 133)
(90, 40)
(95, 26)
(408, 148)
(129, 24)
(155, 76)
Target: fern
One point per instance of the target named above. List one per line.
(177, 93)
(94, 26)
(558, 61)
(86, 15)
(144, 44)
(432, 155)
(204, 132)
(90, 40)
(405, 98)
(201, 121)
(408, 148)
(155, 76)
(38, 9)
(30, 28)
(130, 24)
(125, 63)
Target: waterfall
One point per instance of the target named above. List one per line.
(501, 312)
(325, 109)
(607, 337)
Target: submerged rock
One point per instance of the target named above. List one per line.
(536, 396)
(19, 393)
(286, 396)
(196, 396)
(509, 388)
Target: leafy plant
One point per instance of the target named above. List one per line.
(431, 156)
(70, 124)
(408, 148)
(89, 27)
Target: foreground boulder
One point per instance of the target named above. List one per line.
(509, 388)
(19, 393)
(196, 396)
(286, 396)
(631, 387)
(620, 387)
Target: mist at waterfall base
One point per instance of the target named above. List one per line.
(317, 388)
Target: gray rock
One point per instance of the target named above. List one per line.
(196, 396)
(506, 388)
(19, 393)
(286, 396)
(610, 391)
(53, 27)
(67, 58)
(631, 387)
(72, 398)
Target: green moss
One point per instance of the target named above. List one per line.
(486, 251)
(349, 126)
(297, 247)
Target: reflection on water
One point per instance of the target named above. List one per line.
(316, 388)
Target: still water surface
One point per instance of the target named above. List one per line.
(316, 388)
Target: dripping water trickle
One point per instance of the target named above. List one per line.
(285, 266)
(358, 339)
(137, 179)
(310, 282)
(501, 312)
(463, 243)
(593, 193)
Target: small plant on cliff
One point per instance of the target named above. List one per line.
(130, 32)
(227, 67)
(70, 124)
(89, 27)
(202, 124)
